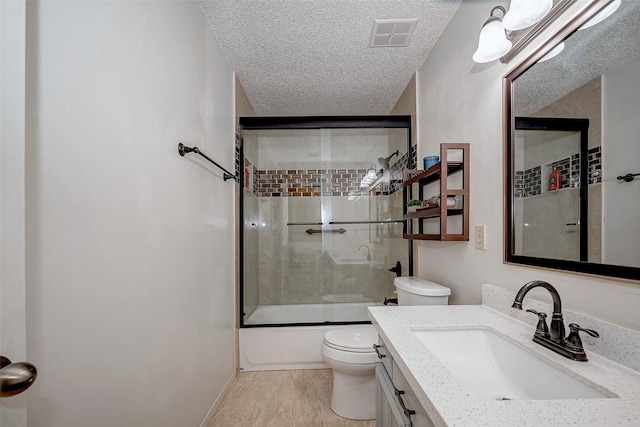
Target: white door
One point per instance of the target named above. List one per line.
(13, 409)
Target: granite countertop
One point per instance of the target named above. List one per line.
(448, 404)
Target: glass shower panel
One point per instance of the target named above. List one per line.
(356, 205)
(322, 222)
(280, 207)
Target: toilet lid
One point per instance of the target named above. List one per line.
(352, 338)
(418, 286)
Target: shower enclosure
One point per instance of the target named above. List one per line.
(321, 210)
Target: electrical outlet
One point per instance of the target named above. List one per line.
(481, 237)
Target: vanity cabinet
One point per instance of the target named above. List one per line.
(397, 404)
(448, 179)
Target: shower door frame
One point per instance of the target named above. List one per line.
(306, 122)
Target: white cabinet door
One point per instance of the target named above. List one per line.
(419, 418)
(389, 412)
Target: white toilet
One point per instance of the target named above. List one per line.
(417, 291)
(350, 354)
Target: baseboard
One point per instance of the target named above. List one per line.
(218, 402)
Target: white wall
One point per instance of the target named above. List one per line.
(129, 246)
(621, 155)
(459, 101)
(12, 193)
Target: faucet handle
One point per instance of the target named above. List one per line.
(397, 269)
(573, 340)
(541, 329)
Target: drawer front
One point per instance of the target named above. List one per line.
(384, 356)
(409, 400)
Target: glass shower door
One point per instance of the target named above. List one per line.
(361, 241)
(318, 237)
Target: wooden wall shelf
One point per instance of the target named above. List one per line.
(441, 172)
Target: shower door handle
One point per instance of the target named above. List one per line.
(15, 377)
(339, 230)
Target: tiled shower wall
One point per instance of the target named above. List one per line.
(301, 268)
(325, 182)
(310, 182)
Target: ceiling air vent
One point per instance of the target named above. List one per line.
(392, 32)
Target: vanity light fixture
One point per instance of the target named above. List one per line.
(493, 42)
(521, 15)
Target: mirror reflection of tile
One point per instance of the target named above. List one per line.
(529, 182)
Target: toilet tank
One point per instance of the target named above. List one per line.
(417, 291)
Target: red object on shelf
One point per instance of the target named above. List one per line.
(555, 179)
(246, 177)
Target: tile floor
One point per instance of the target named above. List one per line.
(299, 398)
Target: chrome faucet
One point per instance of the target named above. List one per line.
(553, 338)
(368, 251)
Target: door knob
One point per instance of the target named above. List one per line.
(15, 377)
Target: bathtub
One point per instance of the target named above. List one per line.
(292, 347)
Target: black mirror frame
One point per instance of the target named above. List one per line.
(615, 271)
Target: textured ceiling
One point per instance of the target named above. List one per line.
(588, 53)
(312, 57)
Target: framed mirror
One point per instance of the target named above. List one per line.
(572, 151)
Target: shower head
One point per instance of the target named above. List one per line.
(384, 161)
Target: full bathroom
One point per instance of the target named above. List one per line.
(309, 213)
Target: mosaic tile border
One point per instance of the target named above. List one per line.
(528, 182)
(595, 165)
(323, 182)
(309, 182)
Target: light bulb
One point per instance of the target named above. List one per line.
(492, 43)
(525, 13)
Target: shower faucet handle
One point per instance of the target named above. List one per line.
(397, 269)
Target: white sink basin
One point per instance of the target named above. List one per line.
(491, 367)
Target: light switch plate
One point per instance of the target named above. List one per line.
(481, 237)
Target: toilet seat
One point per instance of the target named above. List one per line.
(353, 339)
